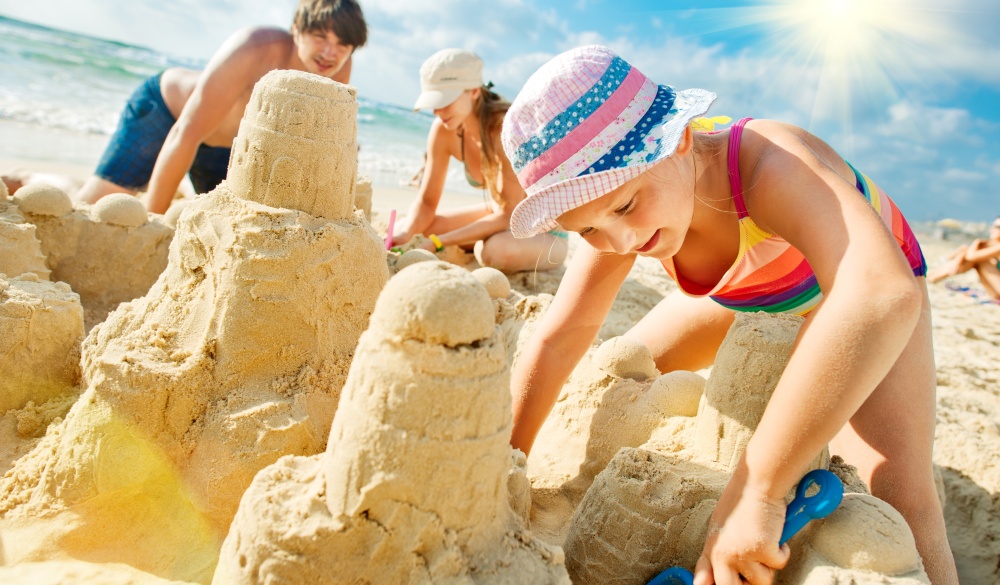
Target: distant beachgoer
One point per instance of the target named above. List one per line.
(467, 127)
(183, 122)
(763, 216)
(16, 178)
(983, 256)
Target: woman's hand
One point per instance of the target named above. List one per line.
(743, 537)
(428, 245)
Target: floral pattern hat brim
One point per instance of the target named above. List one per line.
(584, 124)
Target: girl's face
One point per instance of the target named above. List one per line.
(322, 52)
(649, 215)
(995, 229)
(457, 112)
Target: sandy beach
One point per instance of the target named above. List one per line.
(255, 391)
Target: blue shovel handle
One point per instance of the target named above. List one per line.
(802, 509)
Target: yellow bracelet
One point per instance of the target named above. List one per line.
(437, 242)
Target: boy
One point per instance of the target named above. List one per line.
(182, 121)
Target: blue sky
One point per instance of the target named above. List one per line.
(906, 89)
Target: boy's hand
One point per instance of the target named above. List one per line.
(743, 537)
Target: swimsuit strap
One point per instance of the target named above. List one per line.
(735, 135)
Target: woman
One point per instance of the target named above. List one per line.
(467, 127)
(983, 256)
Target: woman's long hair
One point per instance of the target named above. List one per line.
(492, 107)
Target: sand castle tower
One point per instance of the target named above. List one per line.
(413, 487)
(235, 357)
(41, 322)
(649, 508)
(615, 398)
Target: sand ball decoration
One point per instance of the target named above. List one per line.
(39, 199)
(120, 209)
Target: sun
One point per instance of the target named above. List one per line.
(839, 30)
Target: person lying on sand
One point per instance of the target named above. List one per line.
(16, 178)
(182, 121)
(761, 217)
(467, 127)
(983, 256)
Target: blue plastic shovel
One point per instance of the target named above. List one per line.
(800, 511)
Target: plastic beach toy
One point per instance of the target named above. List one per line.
(388, 231)
(802, 509)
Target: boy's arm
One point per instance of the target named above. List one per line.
(564, 334)
(236, 66)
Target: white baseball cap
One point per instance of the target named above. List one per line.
(445, 75)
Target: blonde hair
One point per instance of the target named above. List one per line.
(491, 108)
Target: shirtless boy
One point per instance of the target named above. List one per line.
(182, 121)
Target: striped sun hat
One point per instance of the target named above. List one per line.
(584, 124)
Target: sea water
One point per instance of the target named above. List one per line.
(69, 89)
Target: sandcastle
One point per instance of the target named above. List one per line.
(649, 508)
(414, 484)
(235, 357)
(41, 326)
(108, 253)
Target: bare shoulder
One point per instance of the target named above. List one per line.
(441, 141)
(265, 47)
(770, 148)
(788, 174)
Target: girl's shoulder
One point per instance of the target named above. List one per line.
(771, 147)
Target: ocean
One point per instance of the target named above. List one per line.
(70, 89)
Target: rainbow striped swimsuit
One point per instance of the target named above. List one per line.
(769, 274)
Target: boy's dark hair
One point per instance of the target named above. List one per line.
(343, 17)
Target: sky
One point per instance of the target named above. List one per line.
(907, 90)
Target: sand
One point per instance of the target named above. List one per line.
(264, 392)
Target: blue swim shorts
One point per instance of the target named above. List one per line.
(142, 129)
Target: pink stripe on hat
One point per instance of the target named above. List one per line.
(588, 154)
(595, 123)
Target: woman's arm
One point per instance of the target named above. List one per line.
(564, 334)
(989, 251)
(424, 207)
(234, 68)
(511, 193)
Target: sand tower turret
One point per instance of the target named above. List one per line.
(235, 357)
(413, 487)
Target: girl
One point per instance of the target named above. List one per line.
(467, 127)
(765, 217)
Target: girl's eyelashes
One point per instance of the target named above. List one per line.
(620, 211)
(626, 208)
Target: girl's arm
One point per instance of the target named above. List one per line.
(234, 68)
(847, 345)
(564, 334)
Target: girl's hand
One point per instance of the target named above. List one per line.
(429, 246)
(743, 537)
